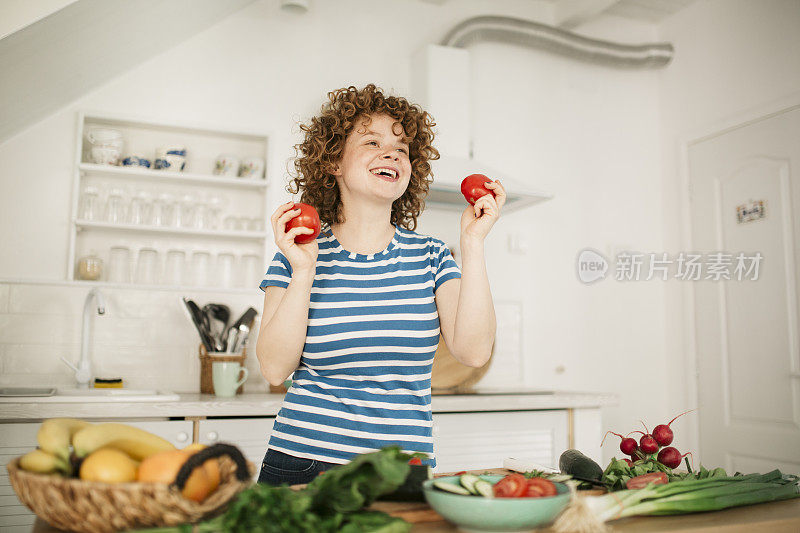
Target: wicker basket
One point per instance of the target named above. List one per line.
(93, 507)
(206, 379)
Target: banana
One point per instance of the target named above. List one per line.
(136, 442)
(42, 462)
(55, 435)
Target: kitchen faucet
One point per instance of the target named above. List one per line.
(83, 372)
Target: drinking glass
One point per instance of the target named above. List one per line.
(89, 204)
(201, 268)
(139, 211)
(162, 209)
(115, 206)
(225, 265)
(183, 211)
(251, 274)
(119, 265)
(174, 267)
(147, 267)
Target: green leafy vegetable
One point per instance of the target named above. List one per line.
(331, 503)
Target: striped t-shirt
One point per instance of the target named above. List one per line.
(364, 378)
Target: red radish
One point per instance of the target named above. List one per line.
(671, 457)
(628, 461)
(663, 434)
(627, 446)
(647, 443)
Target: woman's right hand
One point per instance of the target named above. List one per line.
(302, 257)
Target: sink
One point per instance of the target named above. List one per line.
(97, 396)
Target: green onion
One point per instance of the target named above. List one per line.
(691, 495)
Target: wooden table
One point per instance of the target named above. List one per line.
(774, 517)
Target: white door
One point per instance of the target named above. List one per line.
(748, 354)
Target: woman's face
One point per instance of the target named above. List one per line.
(375, 164)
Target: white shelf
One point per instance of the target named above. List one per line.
(242, 197)
(164, 176)
(137, 228)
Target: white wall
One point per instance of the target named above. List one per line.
(591, 135)
(732, 56)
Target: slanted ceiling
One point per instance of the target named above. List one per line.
(61, 57)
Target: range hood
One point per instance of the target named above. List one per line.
(439, 82)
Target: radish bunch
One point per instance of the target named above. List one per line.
(651, 443)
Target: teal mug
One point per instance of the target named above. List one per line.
(226, 378)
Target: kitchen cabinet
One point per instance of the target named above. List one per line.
(220, 215)
(465, 441)
(250, 435)
(19, 439)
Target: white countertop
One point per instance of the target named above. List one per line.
(208, 405)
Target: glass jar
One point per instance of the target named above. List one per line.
(90, 267)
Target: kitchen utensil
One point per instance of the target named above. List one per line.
(230, 340)
(243, 325)
(196, 316)
(217, 316)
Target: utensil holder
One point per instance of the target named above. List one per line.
(206, 380)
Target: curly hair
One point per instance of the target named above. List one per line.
(324, 143)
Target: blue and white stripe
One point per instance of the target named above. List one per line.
(364, 379)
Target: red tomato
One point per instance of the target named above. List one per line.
(640, 482)
(539, 488)
(511, 486)
(415, 461)
(473, 187)
(308, 218)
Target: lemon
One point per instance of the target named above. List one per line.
(109, 466)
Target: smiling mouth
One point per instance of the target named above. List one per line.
(386, 174)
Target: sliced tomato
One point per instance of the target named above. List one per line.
(640, 482)
(539, 488)
(415, 461)
(511, 486)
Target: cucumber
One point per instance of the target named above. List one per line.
(484, 488)
(449, 487)
(576, 464)
(468, 482)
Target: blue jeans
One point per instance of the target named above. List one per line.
(279, 467)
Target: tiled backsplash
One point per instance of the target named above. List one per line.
(145, 337)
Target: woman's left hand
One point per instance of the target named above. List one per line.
(478, 219)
